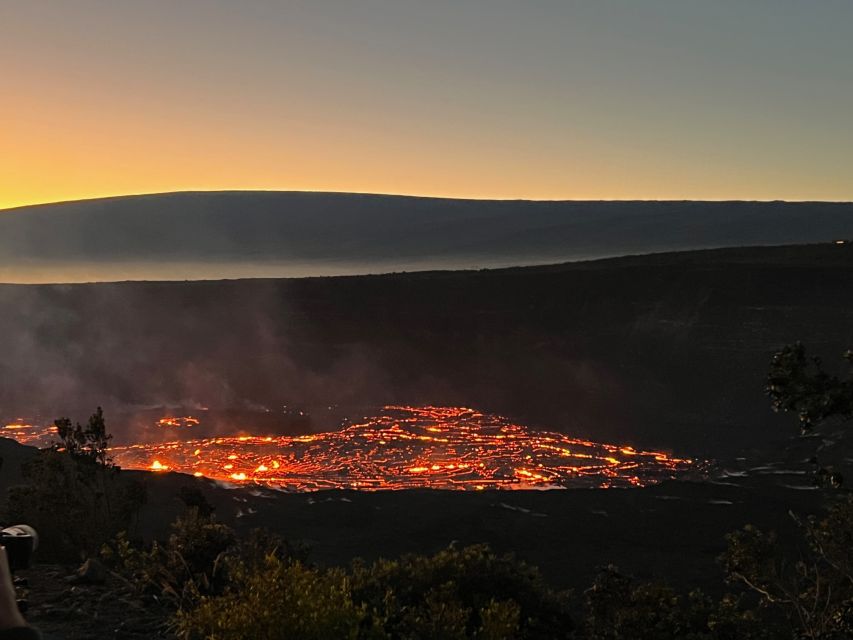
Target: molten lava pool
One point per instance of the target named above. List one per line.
(408, 448)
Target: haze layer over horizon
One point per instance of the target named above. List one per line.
(228, 235)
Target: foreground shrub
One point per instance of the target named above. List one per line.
(279, 599)
(461, 593)
(192, 563)
(457, 594)
(73, 495)
(813, 591)
(617, 608)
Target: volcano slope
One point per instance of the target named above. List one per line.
(664, 351)
(210, 235)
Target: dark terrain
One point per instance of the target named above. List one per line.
(666, 350)
(672, 532)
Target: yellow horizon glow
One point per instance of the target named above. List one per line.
(55, 155)
(67, 145)
(575, 103)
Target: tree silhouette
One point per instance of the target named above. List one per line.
(797, 382)
(90, 441)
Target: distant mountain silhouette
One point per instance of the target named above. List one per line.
(299, 233)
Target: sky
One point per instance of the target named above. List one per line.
(540, 99)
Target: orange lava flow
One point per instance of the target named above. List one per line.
(408, 448)
(178, 423)
(29, 434)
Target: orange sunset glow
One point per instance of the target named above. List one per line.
(474, 100)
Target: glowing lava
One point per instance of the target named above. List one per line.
(178, 423)
(407, 448)
(29, 434)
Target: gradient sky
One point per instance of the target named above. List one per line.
(601, 99)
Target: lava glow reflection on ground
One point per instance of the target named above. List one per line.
(407, 448)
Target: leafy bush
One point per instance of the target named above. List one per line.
(73, 495)
(279, 599)
(461, 593)
(814, 592)
(189, 565)
(617, 608)
(90, 441)
(798, 383)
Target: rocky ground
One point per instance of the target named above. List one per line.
(96, 606)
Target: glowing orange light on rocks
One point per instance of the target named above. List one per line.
(413, 447)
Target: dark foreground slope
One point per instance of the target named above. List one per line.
(245, 234)
(665, 350)
(673, 531)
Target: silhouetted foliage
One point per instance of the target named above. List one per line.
(466, 593)
(279, 599)
(90, 441)
(797, 382)
(814, 590)
(618, 608)
(187, 566)
(73, 495)
(811, 591)
(260, 587)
